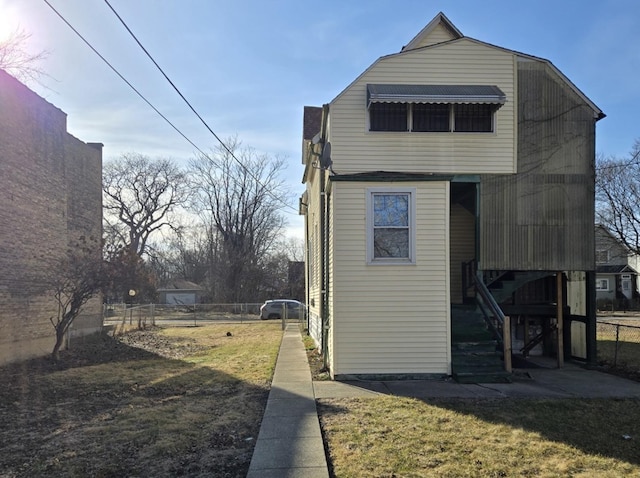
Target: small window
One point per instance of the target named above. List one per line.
(473, 118)
(431, 117)
(602, 256)
(602, 284)
(391, 226)
(388, 117)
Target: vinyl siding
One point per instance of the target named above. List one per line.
(314, 254)
(390, 319)
(355, 149)
(438, 35)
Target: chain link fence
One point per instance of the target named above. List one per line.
(619, 346)
(120, 317)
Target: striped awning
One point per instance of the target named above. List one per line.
(485, 94)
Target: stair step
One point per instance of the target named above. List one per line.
(475, 358)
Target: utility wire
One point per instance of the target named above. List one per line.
(123, 78)
(154, 108)
(247, 170)
(619, 165)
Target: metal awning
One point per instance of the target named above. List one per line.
(485, 94)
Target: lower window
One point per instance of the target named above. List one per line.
(391, 225)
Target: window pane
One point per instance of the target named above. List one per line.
(391, 210)
(388, 117)
(430, 117)
(391, 242)
(474, 118)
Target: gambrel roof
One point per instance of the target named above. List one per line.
(440, 31)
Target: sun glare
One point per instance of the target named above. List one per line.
(9, 21)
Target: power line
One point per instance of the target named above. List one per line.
(248, 171)
(620, 165)
(122, 77)
(177, 90)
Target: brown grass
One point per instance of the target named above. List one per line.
(162, 403)
(402, 437)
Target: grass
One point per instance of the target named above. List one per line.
(169, 402)
(403, 437)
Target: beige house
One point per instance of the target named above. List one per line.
(448, 161)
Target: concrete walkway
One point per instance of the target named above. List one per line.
(290, 444)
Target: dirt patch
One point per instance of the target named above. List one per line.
(144, 404)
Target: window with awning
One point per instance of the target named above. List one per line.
(433, 108)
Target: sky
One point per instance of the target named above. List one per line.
(249, 67)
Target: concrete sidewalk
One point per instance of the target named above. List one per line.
(290, 443)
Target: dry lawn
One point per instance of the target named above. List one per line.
(163, 403)
(402, 437)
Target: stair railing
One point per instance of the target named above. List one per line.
(494, 317)
(490, 308)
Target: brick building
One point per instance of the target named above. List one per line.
(50, 196)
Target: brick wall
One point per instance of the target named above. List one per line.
(50, 194)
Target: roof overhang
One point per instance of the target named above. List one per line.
(477, 94)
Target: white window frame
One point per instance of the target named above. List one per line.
(604, 282)
(371, 259)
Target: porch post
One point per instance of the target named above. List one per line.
(560, 320)
(506, 339)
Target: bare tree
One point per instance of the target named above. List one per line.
(141, 196)
(74, 279)
(239, 196)
(16, 60)
(618, 197)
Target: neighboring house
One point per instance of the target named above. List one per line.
(180, 291)
(450, 157)
(51, 196)
(616, 272)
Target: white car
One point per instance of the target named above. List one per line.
(272, 309)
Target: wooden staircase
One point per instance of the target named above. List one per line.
(505, 285)
(476, 353)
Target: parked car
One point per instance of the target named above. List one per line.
(272, 309)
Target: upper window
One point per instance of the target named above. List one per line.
(422, 117)
(388, 117)
(433, 108)
(602, 256)
(391, 226)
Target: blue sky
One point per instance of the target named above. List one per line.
(250, 66)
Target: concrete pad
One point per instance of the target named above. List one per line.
(300, 389)
(306, 426)
(285, 453)
(583, 383)
(331, 389)
(290, 407)
(438, 389)
(524, 390)
(308, 472)
(289, 375)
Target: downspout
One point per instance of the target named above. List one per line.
(324, 260)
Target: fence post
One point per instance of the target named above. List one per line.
(283, 315)
(615, 353)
